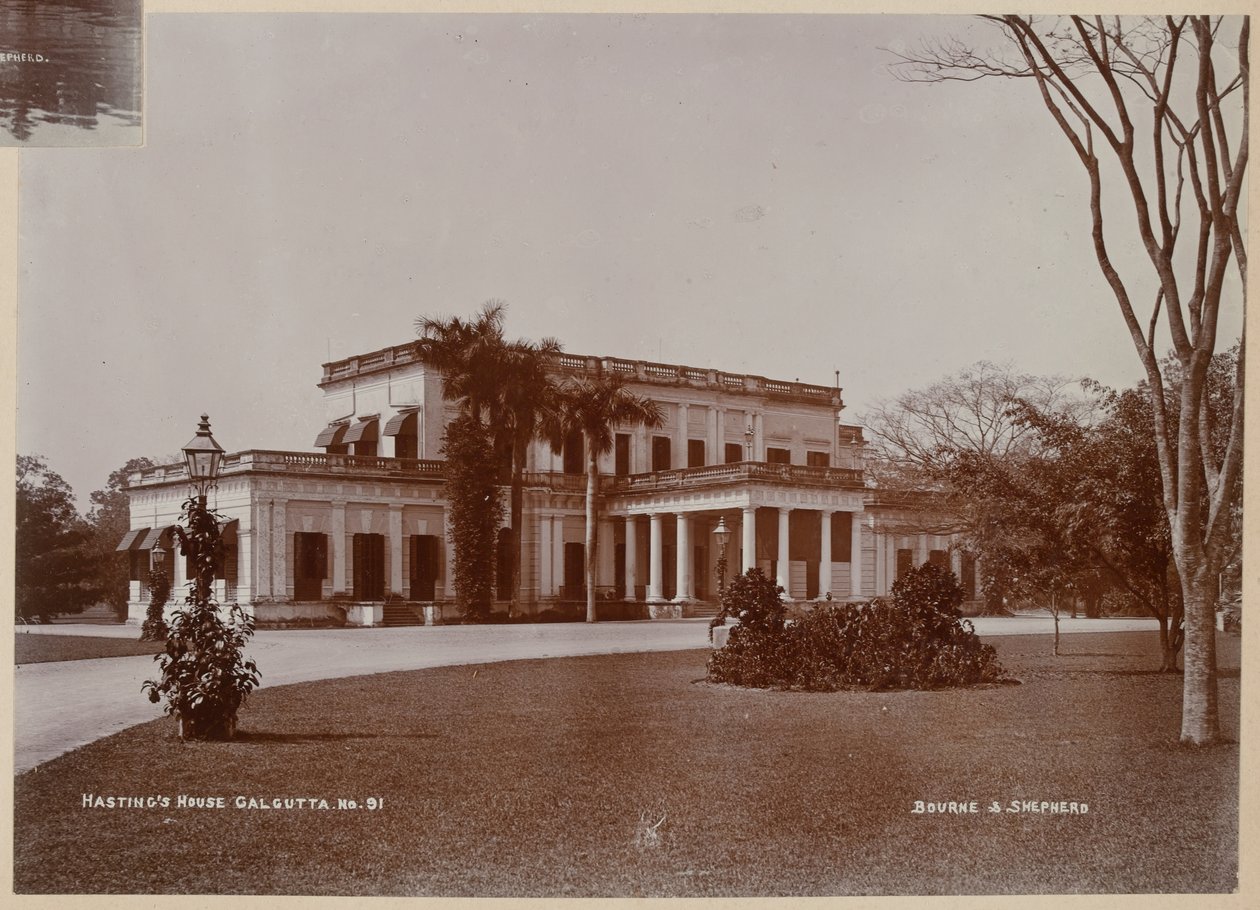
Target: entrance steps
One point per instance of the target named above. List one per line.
(396, 613)
(700, 609)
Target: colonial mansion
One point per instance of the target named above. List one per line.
(357, 532)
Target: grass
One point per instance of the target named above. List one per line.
(627, 775)
(35, 649)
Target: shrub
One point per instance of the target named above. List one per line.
(203, 673)
(154, 628)
(918, 640)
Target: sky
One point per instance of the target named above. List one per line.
(752, 193)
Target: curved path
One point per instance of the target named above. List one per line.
(60, 706)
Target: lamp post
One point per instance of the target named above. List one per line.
(722, 535)
(202, 455)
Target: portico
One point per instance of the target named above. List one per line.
(783, 521)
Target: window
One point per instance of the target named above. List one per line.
(621, 457)
(424, 567)
(778, 456)
(905, 562)
(369, 566)
(310, 565)
(841, 536)
(938, 558)
(695, 453)
(366, 447)
(818, 459)
(503, 568)
(734, 452)
(573, 454)
(406, 446)
(660, 453)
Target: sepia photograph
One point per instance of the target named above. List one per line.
(628, 455)
(70, 73)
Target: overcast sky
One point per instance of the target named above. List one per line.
(753, 193)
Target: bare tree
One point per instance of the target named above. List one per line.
(1164, 102)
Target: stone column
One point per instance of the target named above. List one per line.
(955, 561)
(881, 564)
(557, 552)
(824, 556)
(546, 581)
(632, 557)
(262, 547)
(656, 559)
(337, 547)
(680, 443)
(855, 556)
(783, 574)
(279, 550)
(606, 555)
(748, 531)
(395, 548)
(682, 560)
(711, 445)
(759, 437)
(891, 563)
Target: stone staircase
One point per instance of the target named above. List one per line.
(397, 613)
(700, 609)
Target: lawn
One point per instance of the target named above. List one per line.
(627, 775)
(35, 649)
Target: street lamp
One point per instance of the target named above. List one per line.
(722, 535)
(203, 455)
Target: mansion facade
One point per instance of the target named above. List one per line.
(357, 531)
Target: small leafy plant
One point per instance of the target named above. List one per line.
(204, 675)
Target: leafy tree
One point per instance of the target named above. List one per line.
(476, 513)
(110, 519)
(967, 420)
(503, 384)
(1164, 101)
(56, 568)
(593, 407)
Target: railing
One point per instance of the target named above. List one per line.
(564, 483)
(641, 370)
(301, 463)
(737, 472)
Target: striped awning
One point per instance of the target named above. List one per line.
(156, 535)
(331, 435)
(132, 539)
(395, 424)
(363, 431)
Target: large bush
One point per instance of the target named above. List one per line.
(916, 640)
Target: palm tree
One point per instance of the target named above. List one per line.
(499, 382)
(593, 407)
(467, 353)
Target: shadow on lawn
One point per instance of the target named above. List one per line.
(263, 738)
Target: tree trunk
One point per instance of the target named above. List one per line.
(592, 537)
(1200, 723)
(1169, 645)
(1054, 609)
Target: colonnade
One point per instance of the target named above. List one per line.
(739, 558)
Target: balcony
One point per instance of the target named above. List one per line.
(742, 472)
(276, 462)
